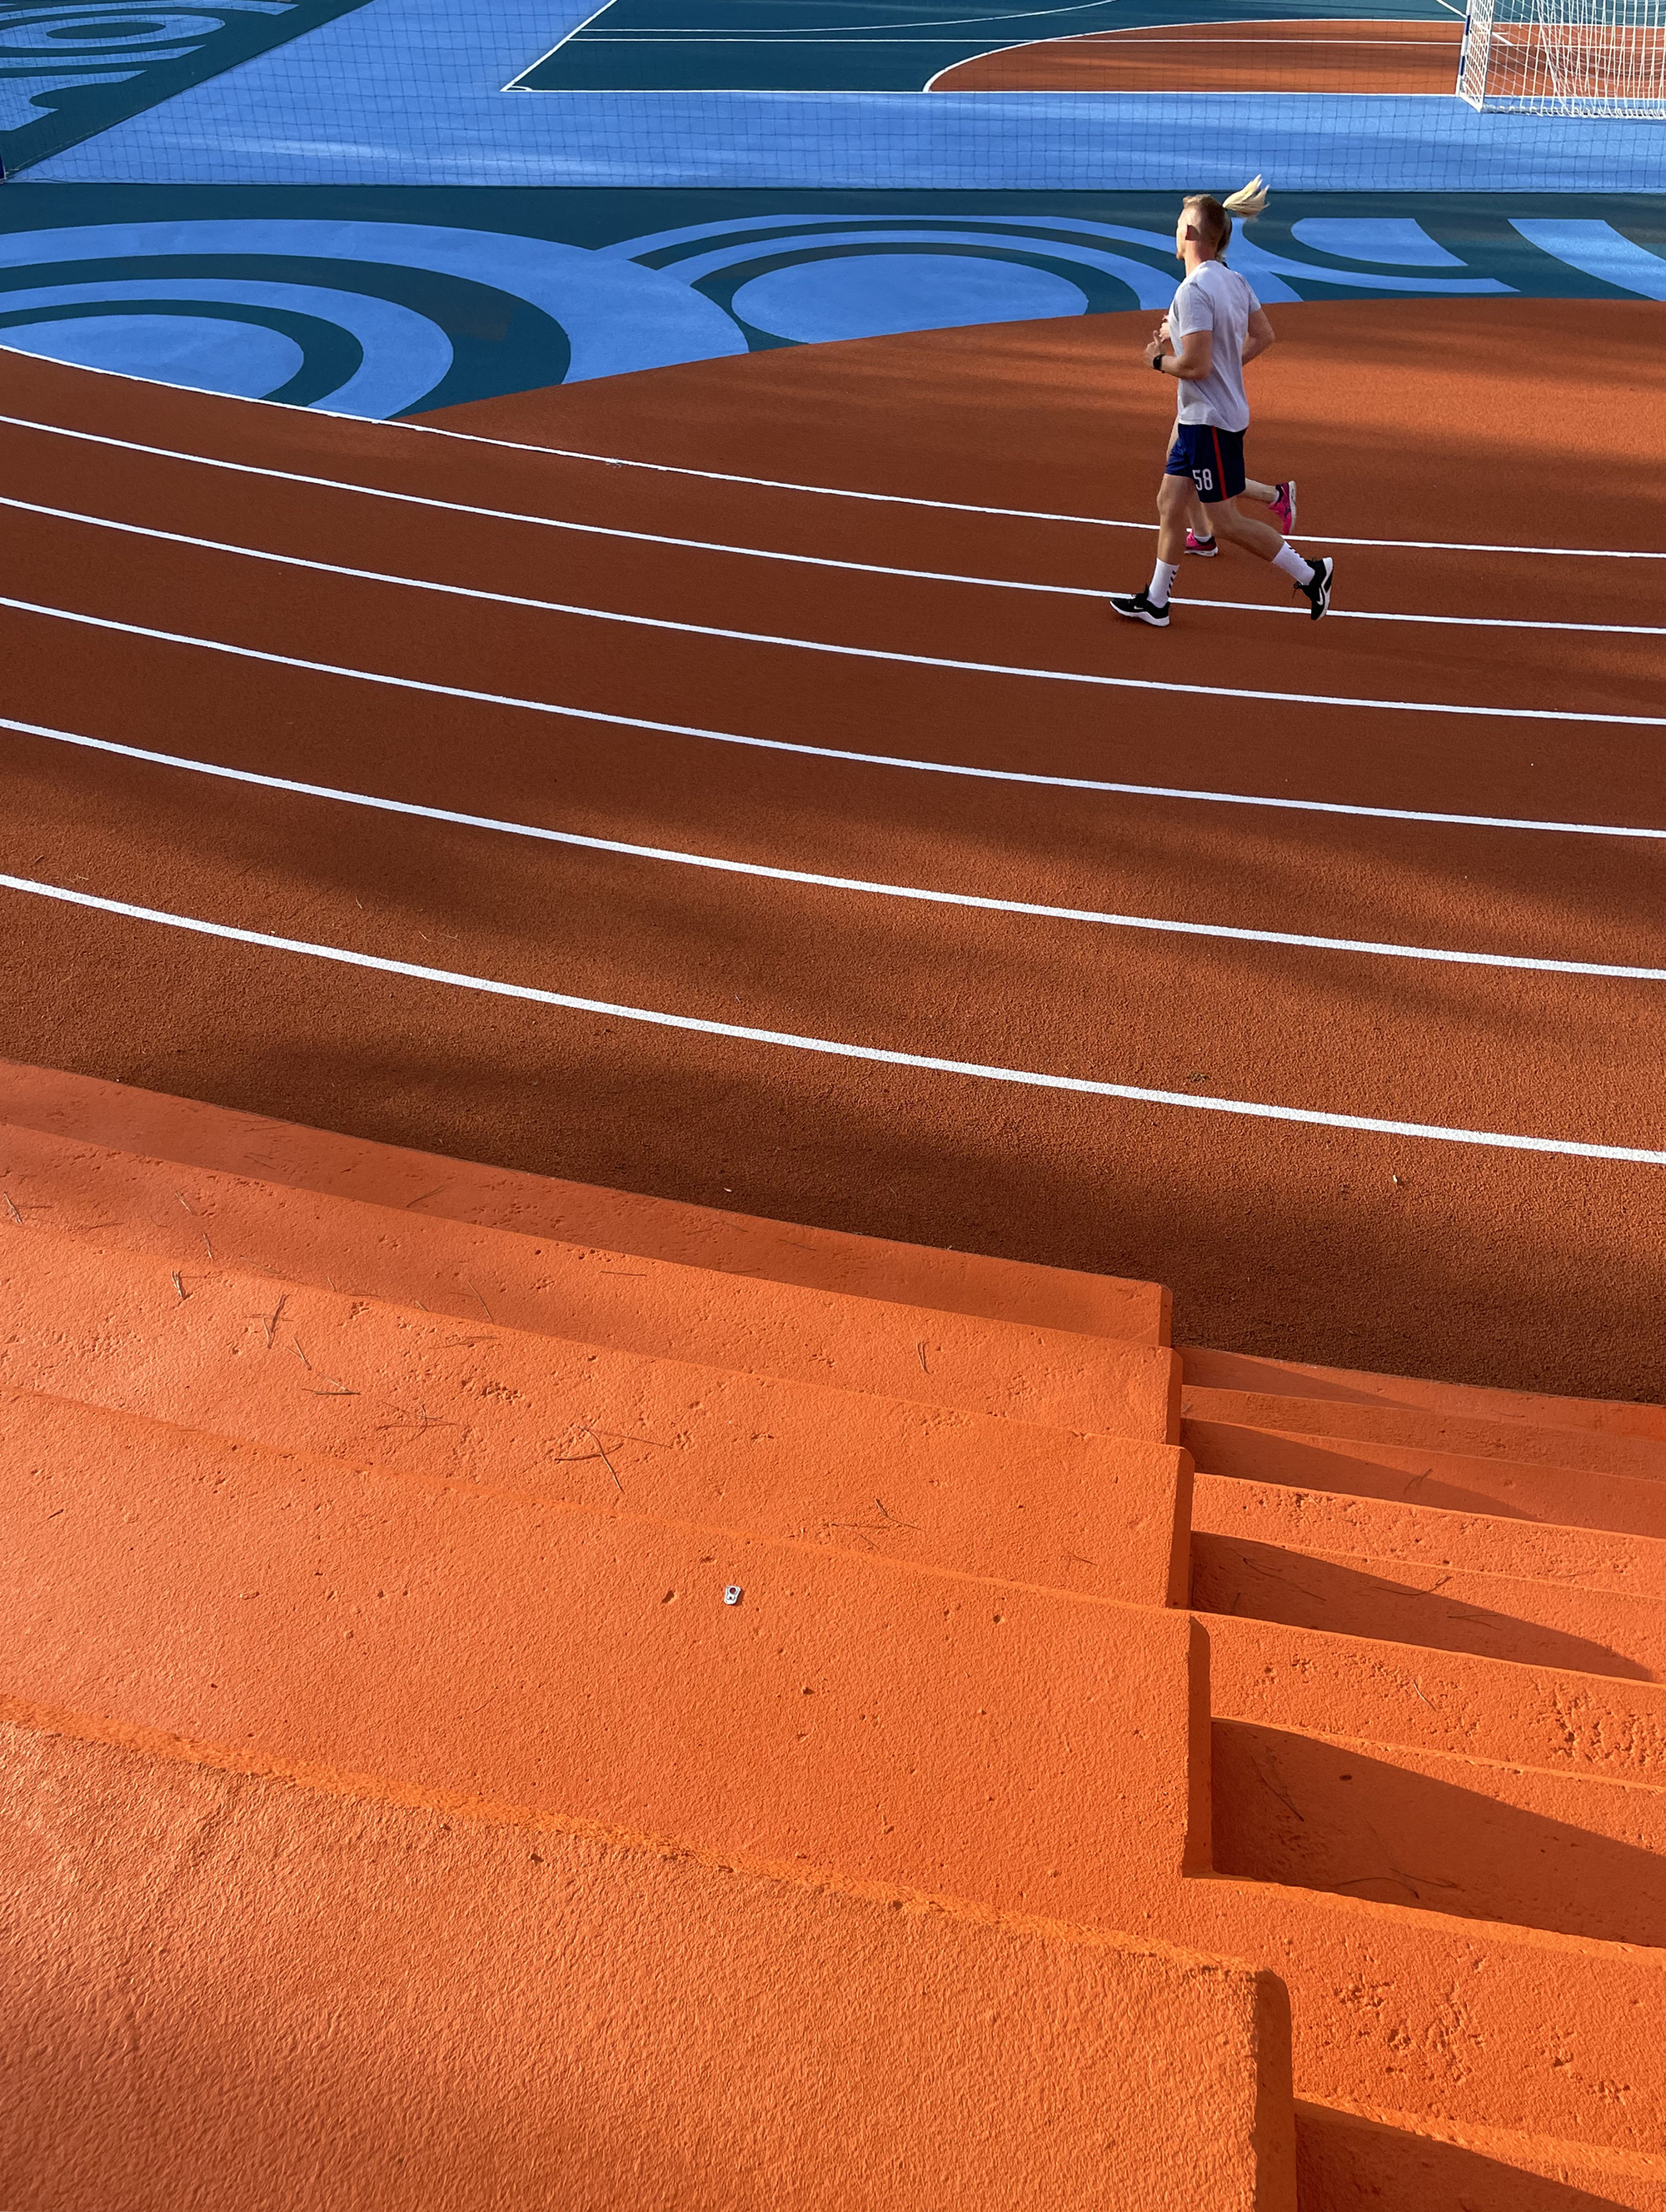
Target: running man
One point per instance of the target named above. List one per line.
(1220, 325)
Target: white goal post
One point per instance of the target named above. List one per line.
(1604, 58)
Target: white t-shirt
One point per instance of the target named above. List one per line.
(1217, 299)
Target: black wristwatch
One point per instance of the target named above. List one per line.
(1157, 363)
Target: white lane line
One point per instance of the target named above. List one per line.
(761, 483)
(1310, 1116)
(796, 645)
(1094, 784)
(538, 521)
(866, 567)
(1009, 514)
(972, 900)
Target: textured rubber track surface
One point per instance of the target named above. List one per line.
(1432, 420)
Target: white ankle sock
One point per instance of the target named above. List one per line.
(1289, 563)
(1162, 582)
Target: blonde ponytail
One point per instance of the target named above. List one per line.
(1249, 199)
(1215, 216)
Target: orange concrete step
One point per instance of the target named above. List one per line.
(1570, 1852)
(185, 1215)
(1421, 1535)
(1361, 1467)
(218, 1139)
(1496, 1791)
(1269, 1674)
(1231, 1370)
(1457, 2024)
(335, 2000)
(1008, 1745)
(157, 1574)
(312, 1370)
(1371, 1984)
(1482, 1436)
(1507, 1617)
(1348, 2161)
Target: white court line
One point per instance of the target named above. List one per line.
(972, 900)
(1310, 1116)
(718, 476)
(1162, 791)
(796, 645)
(756, 553)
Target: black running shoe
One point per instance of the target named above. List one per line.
(1317, 593)
(1137, 608)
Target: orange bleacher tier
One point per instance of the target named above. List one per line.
(398, 1605)
(321, 1997)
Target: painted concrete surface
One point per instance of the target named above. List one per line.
(1605, 1559)
(264, 1590)
(1520, 1620)
(981, 1739)
(67, 73)
(278, 1156)
(582, 1424)
(608, 2017)
(401, 92)
(1406, 1827)
(406, 301)
(629, 1301)
(1455, 1481)
(530, 178)
(1323, 1683)
(422, 1639)
(704, 209)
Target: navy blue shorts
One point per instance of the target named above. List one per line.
(1212, 459)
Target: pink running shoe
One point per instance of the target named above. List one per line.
(1205, 548)
(1283, 509)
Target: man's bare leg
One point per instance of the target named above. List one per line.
(1198, 520)
(1266, 544)
(1176, 504)
(1239, 530)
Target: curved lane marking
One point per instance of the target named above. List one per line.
(972, 900)
(761, 483)
(1035, 1078)
(789, 644)
(965, 507)
(1161, 791)
(756, 553)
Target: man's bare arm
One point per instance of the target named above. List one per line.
(1259, 336)
(1194, 359)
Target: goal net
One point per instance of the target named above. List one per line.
(1605, 57)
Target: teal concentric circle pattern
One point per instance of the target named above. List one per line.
(301, 297)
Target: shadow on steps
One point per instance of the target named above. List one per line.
(1456, 1482)
(1344, 2163)
(1405, 1829)
(1304, 1590)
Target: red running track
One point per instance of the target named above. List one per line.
(1443, 421)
